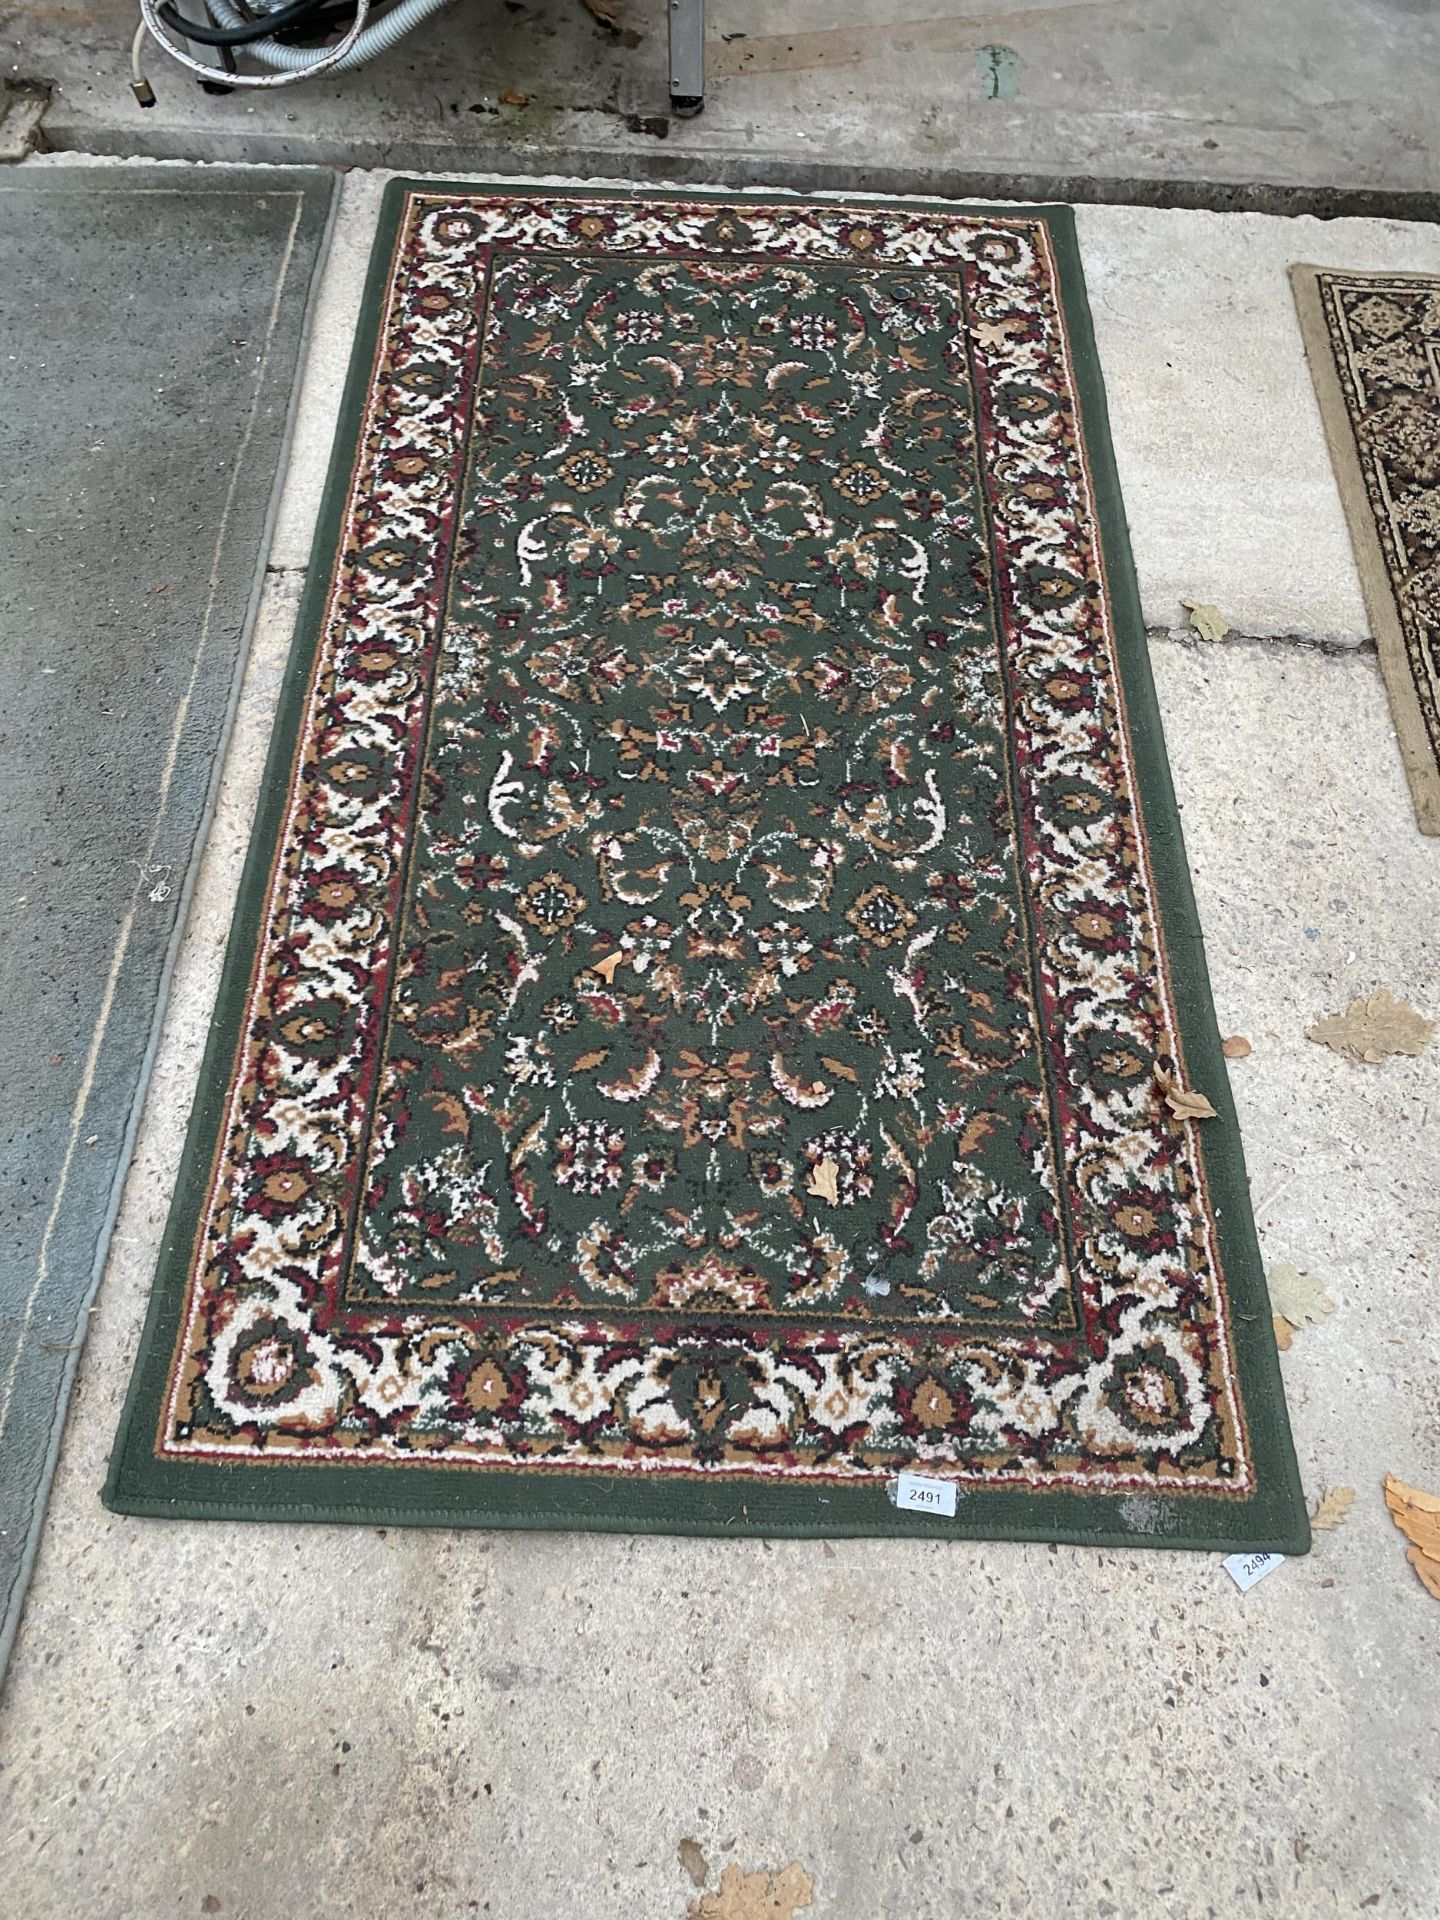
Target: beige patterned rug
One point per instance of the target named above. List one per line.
(1373, 341)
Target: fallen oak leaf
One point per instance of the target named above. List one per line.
(1372, 1028)
(1184, 1102)
(604, 12)
(1206, 620)
(1428, 1569)
(1332, 1508)
(1284, 1333)
(756, 1896)
(1237, 1047)
(1297, 1298)
(1417, 1515)
(510, 98)
(824, 1181)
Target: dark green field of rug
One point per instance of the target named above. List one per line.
(151, 324)
(717, 946)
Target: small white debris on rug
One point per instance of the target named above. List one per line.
(824, 1181)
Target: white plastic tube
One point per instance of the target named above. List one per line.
(323, 60)
(378, 37)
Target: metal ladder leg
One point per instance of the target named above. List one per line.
(687, 57)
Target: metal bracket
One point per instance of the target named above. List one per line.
(687, 57)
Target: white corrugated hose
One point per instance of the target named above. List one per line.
(363, 40)
(378, 37)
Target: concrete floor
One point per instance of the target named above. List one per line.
(341, 1723)
(1231, 103)
(136, 493)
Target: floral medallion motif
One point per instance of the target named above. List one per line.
(709, 992)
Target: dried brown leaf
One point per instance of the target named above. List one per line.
(1284, 1334)
(606, 967)
(1400, 1497)
(1331, 1509)
(1206, 620)
(1237, 1047)
(756, 1896)
(824, 1181)
(603, 10)
(1184, 1102)
(1298, 1298)
(1417, 1515)
(689, 1852)
(510, 98)
(1428, 1569)
(1372, 1028)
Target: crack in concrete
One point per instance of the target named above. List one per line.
(1347, 646)
(1343, 646)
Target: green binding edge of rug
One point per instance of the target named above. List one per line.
(423, 1495)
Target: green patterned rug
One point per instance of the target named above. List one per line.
(717, 940)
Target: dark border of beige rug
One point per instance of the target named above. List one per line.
(1418, 749)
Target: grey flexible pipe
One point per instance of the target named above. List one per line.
(325, 60)
(378, 37)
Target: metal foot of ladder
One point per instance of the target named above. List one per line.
(687, 57)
